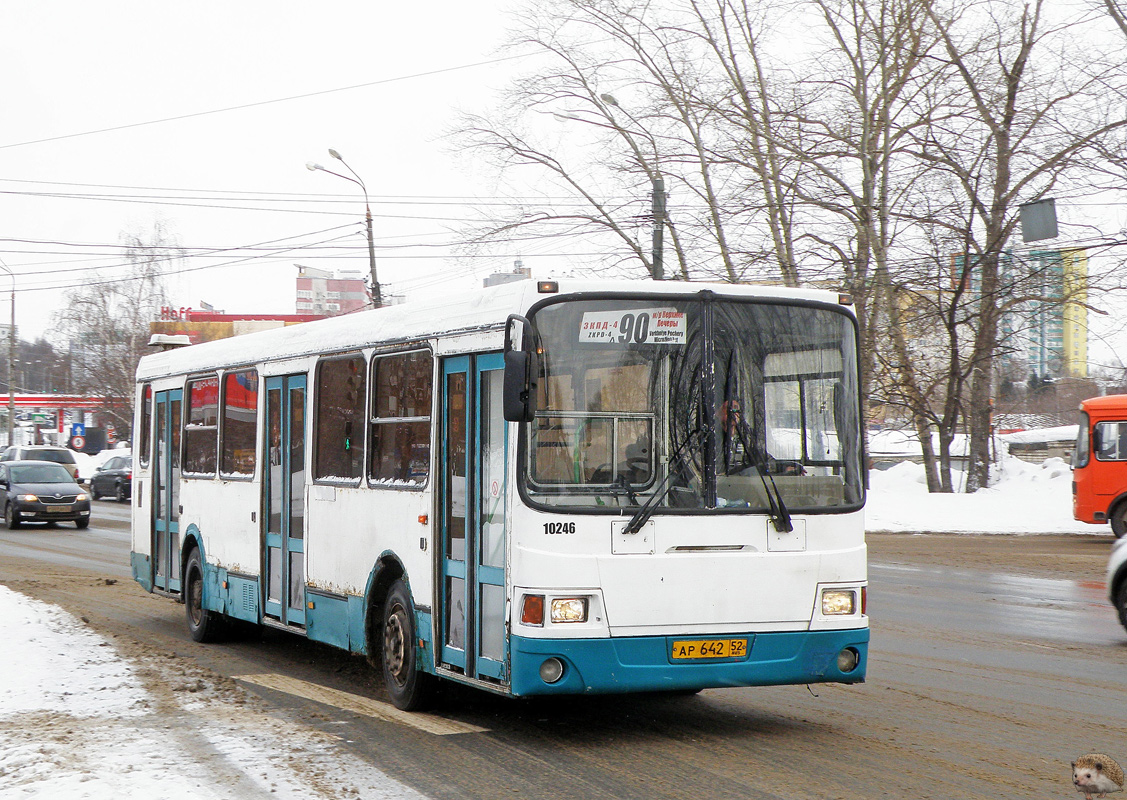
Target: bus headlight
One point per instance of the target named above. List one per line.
(837, 602)
(569, 609)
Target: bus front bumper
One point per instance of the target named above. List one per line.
(647, 663)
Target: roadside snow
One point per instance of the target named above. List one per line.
(80, 722)
(1027, 498)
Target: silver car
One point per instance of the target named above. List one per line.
(1117, 578)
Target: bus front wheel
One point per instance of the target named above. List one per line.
(1118, 519)
(203, 625)
(409, 688)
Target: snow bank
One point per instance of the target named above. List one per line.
(1026, 498)
(78, 721)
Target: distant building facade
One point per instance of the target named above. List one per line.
(207, 326)
(330, 294)
(1044, 335)
(1047, 335)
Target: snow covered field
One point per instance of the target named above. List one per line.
(79, 721)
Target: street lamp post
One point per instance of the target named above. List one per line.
(11, 359)
(377, 298)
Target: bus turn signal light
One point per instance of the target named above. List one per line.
(532, 612)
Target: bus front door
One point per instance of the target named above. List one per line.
(166, 485)
(283, 501)
(472, 492)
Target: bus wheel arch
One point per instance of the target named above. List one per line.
(386, 572)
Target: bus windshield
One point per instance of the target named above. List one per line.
(707, 404)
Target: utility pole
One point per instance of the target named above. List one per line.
(659, 226)
(11, 366)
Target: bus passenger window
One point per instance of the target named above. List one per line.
(240, 418)
(201, 427)
(340, 419)
(146, 423)
(401, 419)
(1110, 441)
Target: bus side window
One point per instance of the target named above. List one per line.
(201, 427)
(401, 422)
(340, 419)
(1109, 441)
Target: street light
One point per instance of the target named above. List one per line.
(658, 201)
(658, 207)
(11, 358)
(377, 298)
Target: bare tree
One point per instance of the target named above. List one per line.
(1023, 128)
(107, 321)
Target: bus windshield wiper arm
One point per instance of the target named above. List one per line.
(642, 515)
(780, 515)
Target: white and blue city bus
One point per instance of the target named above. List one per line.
(536, 488)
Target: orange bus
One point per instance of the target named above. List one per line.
(1099, 465)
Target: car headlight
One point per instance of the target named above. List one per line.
(837, 602)
(81, 497)
(27, 498)
(569, 609)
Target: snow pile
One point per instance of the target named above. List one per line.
(1025, 498)
(79, 722)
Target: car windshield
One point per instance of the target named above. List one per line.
(41, 473)
(687, 404)
(58, 456)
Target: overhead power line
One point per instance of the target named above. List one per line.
(267, 102)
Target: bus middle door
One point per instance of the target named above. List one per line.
(283, 501)
(473, 526)
(166, 486)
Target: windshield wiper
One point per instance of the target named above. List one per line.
(643, 514)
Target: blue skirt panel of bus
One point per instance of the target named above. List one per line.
(645, 663)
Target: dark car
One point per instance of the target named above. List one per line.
(42, 491)
(113, 479)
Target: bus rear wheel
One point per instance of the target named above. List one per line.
(410, 689)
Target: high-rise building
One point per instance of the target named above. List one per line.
(328, 293)
(1046, 334)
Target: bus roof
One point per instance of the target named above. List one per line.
(1109, 402)
(446, 315)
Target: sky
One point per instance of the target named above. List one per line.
(201, 117)
(70, 186)
(106, 702)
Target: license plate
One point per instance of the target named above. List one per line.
(58, 509)
(710, 648)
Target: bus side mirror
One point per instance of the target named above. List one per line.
(520, 372)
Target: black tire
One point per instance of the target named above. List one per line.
(203, 625)
(94, 493)
(10, 517)
(119, 493)
(1121, 602)
(410, 689)
(1118, 520)
(82, 524)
